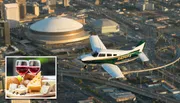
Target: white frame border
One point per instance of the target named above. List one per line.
(11, 98)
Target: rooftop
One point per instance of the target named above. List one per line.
(56, 24)
(104, 22)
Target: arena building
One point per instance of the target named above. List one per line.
(57, 30)
(105, 26)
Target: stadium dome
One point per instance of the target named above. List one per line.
(57, 30)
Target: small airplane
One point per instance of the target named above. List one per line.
(109, 57)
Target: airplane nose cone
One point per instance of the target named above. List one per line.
(84, 57)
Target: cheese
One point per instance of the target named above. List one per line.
(21, 90)
(12, 87)
(35, 83)
(45, 89)
(50, 83)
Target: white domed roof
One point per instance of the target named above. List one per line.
(56, 24)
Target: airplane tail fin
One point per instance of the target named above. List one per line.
(140, 46)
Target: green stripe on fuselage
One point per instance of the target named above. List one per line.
(115, 59)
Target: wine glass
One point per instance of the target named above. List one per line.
(34, 66)
(22, 67)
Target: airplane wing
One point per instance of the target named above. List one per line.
(143, 57)
(96, 43)
(113, 70)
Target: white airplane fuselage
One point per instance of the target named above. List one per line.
(108, 56)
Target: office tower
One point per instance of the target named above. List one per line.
(2, 15)
(5, 32)
(33, 8)
(36, 9)
(66, 3)
(12, 14)
(144, 5)
(22, 8)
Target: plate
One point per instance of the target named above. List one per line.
(49, 77)
(34, 94)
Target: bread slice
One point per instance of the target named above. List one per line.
(35, 84)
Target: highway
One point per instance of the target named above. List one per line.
(160, 67)
(117, 84)
(170, 75)
(152, 69)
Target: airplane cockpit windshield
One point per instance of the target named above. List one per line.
(95, 54)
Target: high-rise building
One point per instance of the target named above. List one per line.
(22, 8)
(66, 3)
(12, 14)
(36, 9)
(144, 5)
(2, 15)
(33, 8)
(5, 32)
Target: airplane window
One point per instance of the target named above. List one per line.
(101, 55)
(114, 54)
(109, 54)
(95, 54)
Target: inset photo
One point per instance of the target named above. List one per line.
(31, 77)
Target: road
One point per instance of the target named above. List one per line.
(170, 75)
(117, 84)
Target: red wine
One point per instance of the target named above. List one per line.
(22, 70)
(34, 69)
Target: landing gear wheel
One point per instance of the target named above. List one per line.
(85, 66)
